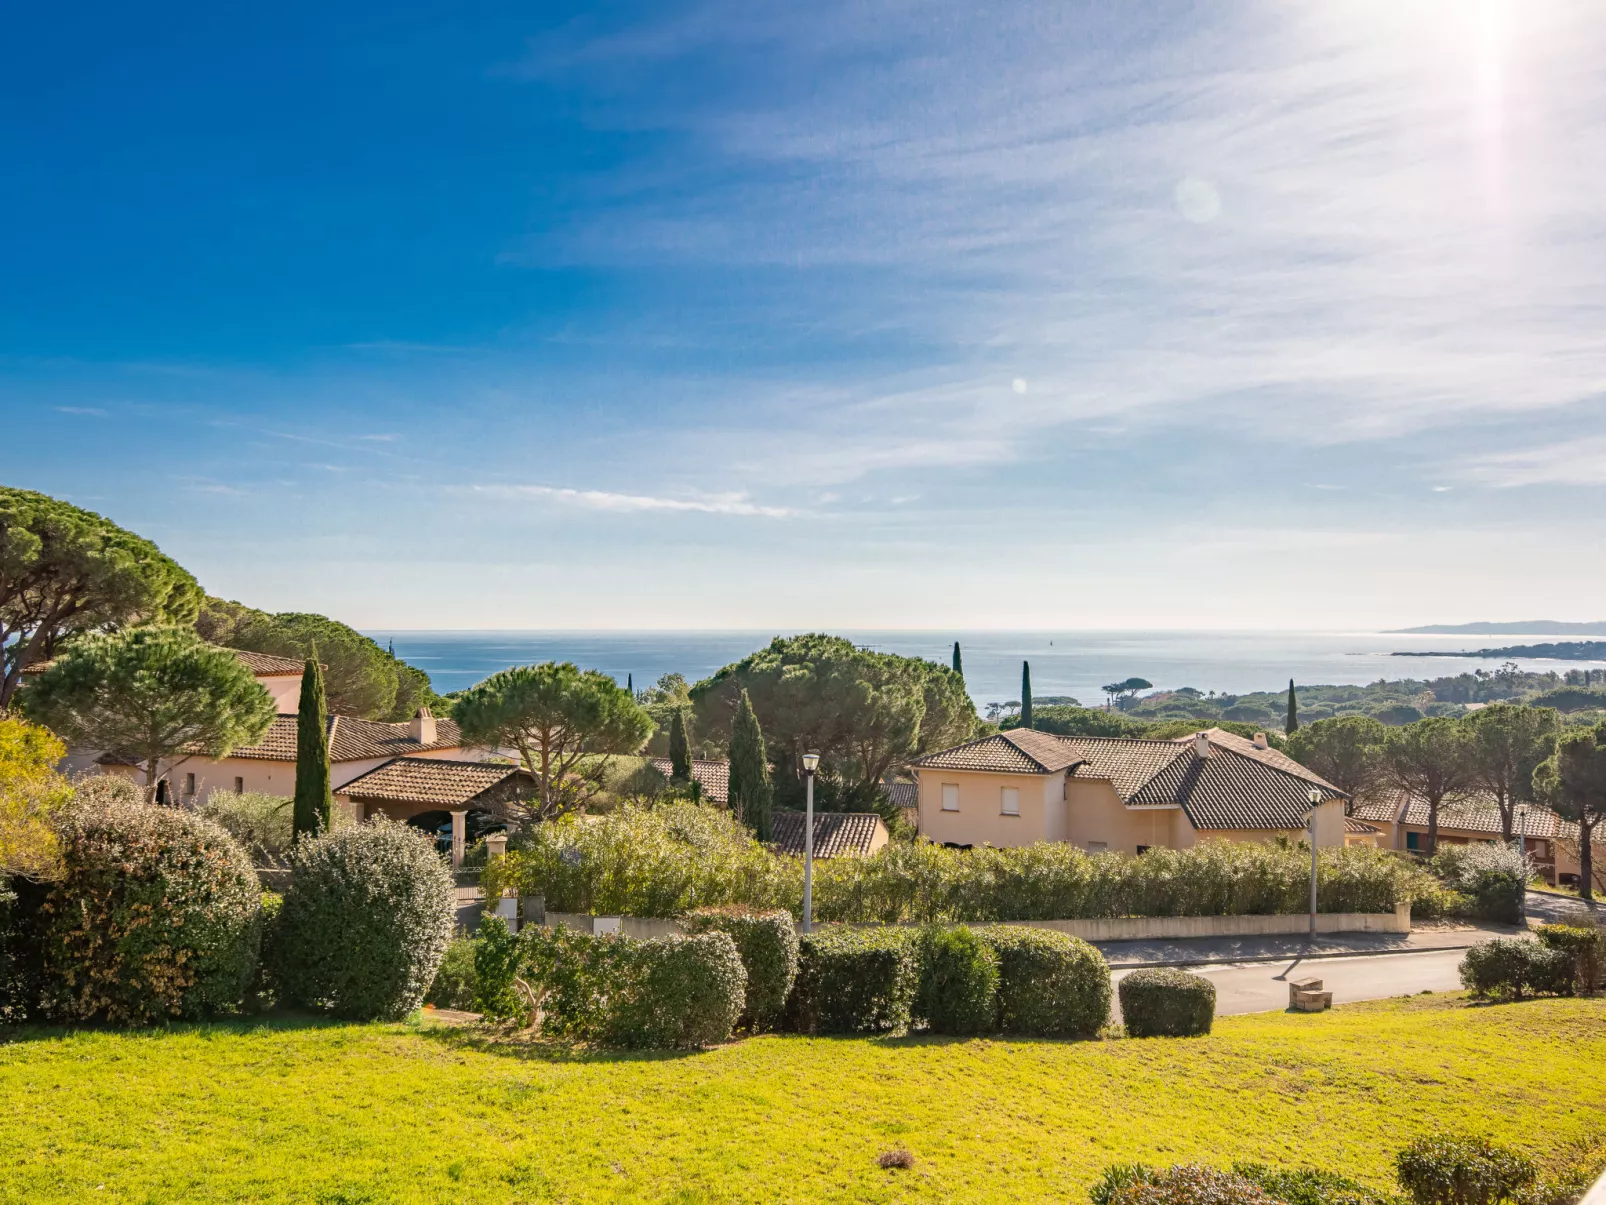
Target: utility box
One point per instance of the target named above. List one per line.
(1306, 996)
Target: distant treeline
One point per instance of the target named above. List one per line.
(1564, 650)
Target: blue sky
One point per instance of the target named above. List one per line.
(844, 314)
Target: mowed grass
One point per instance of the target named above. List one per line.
(303, 1111)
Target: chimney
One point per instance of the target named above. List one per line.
(1201, 744)
(1260, 740)
(424, 727)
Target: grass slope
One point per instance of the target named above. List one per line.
(283, 1111)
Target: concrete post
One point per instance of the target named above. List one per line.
(459, 836)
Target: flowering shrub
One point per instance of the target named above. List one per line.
(156, 914)
(671, 860)
(1494, 878)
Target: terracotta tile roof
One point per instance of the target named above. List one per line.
(713, 776)
(1229, 791)
(1352, 825)
(266, 665)
(1474, 814)
(438, 781)
(1017, 751)
(836, 834)
(1125, 763)
(351, 739)
(901, 794)
(1268, 756)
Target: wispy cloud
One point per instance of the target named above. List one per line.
(91, 411)
(1574, 462)
(717, 504)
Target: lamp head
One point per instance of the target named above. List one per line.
(811, 762)
(1314, 795)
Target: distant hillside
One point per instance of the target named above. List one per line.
(1566, 650)
(1523, 627)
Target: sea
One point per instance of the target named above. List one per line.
(1071, 663)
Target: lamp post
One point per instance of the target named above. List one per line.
(1314, 796)
(811, 763)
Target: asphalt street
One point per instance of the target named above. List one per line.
(1258, 987)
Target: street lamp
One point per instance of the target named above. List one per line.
(811, 763)
(1314, 796)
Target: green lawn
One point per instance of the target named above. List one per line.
(289, 1111)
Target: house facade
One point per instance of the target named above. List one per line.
(1106, 794)
(1550, 842)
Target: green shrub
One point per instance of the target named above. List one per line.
(958, 992)
(1495, 877)
(576, 978)
(455, 981)
(854, 981)
(1166, 1002)
(1434, 901)
(1448, 1169)
(157, 914)
(258, 821)
(1310, 1186)
(767, 943)
(1049, 984)
(1185, 1184)
(497, 955)
(366, 920)
(1509, 968)
(1585, 945)
(681, 993)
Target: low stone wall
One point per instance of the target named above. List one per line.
(642, 927)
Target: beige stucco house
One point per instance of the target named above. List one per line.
(1109, 794)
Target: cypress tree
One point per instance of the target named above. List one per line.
(679, 748)
(1292, 724)
(1025, 694)
(630, 685)
(312, 811)
(959, 666)
(750, 771)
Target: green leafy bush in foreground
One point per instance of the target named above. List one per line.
(1309, 1186)
(1585, 944)
(1166, 1002)
(1049, 984)
(671, 860)
(767, 943)
(1509, 968)
(958, 992)
(1184, 1184)
(854, 981)
(365, 922)
(497, 955)
(455, 979)
(1449, 1169)
(157, 914)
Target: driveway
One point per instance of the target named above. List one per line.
(1259, 987)
(1546, 908)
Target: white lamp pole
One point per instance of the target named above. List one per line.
(1314, 795)
(811, 762)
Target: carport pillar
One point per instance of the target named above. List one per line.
(459, 836)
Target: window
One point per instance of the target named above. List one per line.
(1143, 849)
(1413, 840)
(1098, 847)
(239, 786)
(950, 796)
(189, 784)
(1011, 801)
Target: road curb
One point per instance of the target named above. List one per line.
(1293, 957)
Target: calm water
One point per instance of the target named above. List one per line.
(1063, 663)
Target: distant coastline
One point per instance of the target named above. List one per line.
(1522, 627)
(1566, 650)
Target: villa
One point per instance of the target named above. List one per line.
(1117, 794)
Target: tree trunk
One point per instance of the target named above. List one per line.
(1586, 860)
(151, 782)
(1508, 816)
(1433, 827)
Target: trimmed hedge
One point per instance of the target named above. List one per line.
(1049, 984)
(1166, 1002)
(854, 981)
(1450, 1169)
(366, 920)
(958, 991)
(157, 914)
(1585, 945)
(767, 943)
(1509, 968)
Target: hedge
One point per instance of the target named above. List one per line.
(671, 860)
(1456, 1170)
(1585, 945)
(1049, 984)
(854, 981)
(1166, 1002)
(157, 914)
(366, 920)
(1509, 968)
(958, 992)
(767, 943)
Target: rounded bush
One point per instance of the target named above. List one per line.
(1509, 968)
(455, 980)
(683, 993)
(1585, 944)
(958, 981)
(157, 914)
(1049, 984)
(1166, 1002)
(366, 920)
(767, 943)
(1448, 1169)
(854, 981)
(1184, 1184)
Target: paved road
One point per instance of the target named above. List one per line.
(1263, 986)
(1544, 907)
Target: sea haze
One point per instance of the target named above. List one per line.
(1063, 663)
